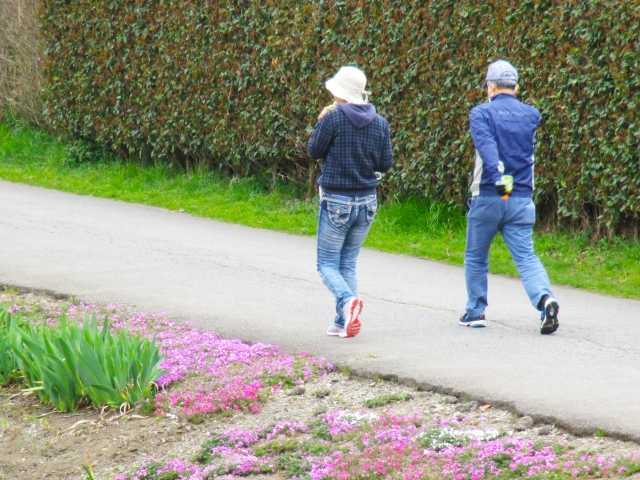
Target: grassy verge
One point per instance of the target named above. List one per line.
(409, 226)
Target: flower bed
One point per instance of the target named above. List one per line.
(358, 445)
(207, 373)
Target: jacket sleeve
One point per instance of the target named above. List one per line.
(538, 117)
(321, 139)
(485, 143)
(387, 157)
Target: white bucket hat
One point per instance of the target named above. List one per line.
(348, 84)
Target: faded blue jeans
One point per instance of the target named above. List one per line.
(514, 219)
(343, 225)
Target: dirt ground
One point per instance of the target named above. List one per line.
(38, 442)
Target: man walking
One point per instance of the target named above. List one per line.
(503, 133)
(354, 142)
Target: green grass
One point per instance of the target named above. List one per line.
(204, 455)
(411, 226)
(277, 447)
(632, 468)
(383, 400)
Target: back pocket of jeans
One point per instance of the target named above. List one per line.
(339, 213)
(371, 210)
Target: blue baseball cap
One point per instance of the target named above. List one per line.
(500, 70)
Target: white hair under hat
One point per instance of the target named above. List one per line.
(349, 84)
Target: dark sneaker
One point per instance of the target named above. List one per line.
(549, 319)
(473, 322)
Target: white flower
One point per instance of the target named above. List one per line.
(356, 418)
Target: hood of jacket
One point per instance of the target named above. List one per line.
(360, 115)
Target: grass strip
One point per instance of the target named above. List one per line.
(410, 226)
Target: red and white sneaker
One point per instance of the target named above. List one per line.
(352, 325)
(336, 331)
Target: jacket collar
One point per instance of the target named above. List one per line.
(502, 96)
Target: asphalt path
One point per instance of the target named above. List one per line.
(260, 285)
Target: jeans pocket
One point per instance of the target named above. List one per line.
(371, 210)
(470, 202)
(339, 213)
(485, 209)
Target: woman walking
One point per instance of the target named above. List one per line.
(355, 145)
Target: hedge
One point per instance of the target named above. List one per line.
(21, 56)
(236, 84)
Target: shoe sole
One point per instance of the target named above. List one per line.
(333, 334)
(474, 324)
(354, 328)
(550, 323)
(352, 324)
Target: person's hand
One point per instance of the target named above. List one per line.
(325, 110)
(504, 186)
(502, 190)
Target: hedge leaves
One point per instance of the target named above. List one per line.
(235, 83)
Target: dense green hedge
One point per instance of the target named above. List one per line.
(235, 83)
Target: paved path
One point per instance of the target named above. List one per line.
(262, 286)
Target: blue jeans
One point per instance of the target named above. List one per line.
(514, 219)
(343, 225)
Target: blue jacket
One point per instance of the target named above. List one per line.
(503, 132)
(354, 142)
